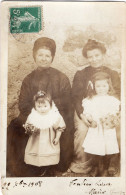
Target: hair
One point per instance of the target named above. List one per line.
(43, 96)
(98, 77)
(93, 44)
(44, 42)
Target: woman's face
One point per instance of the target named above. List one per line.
(95, 57)
(43, 58)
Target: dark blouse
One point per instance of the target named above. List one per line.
(49, 80)
(80, 82)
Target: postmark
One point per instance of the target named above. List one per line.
(25, 20)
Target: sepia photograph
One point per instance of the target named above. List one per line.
(63, 85)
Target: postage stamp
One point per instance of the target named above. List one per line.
(25, 19)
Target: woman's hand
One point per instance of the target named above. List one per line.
(56, 141)
(88, 120)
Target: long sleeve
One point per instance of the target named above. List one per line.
(116, 83)
(78, 89)
(60, 124)
(25, 99)
(65, 91)
(115, 80)
(65, 98)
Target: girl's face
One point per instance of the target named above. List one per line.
(101, 87)
(41, 106)
(43, 58)
(95, 57)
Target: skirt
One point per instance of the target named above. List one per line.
(80, 162)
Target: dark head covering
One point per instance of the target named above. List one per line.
(44, 42)
(93, 44)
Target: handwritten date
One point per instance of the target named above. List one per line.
(23, 184)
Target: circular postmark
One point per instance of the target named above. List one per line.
(25, 38)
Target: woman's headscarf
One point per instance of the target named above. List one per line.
(44, 42)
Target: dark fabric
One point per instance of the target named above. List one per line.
(44, 42)
(104, 163)
(80, 82)
(57, 85)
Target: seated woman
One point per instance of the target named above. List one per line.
(94, 52)
(57, 85)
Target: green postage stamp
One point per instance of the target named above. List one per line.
(25, 19)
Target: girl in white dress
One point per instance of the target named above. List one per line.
(102, 111)
(45, 126)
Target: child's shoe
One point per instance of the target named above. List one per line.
(50, 173)
(105, 173)
(94, 172)
(43, 173)
(113, 172)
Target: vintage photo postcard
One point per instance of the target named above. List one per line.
(63, 98)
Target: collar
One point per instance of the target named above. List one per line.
(98, 68)
(41, 70)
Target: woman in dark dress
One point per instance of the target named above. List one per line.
(94, 52)
(52, 81)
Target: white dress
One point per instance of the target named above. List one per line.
(100, 141)
(40, 150)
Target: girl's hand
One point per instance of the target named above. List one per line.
(36, 131)
(56, 141)
(94, 124)
(28, 128)
(110, 121)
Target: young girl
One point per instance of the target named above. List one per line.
(45, 126)
(102, 111)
